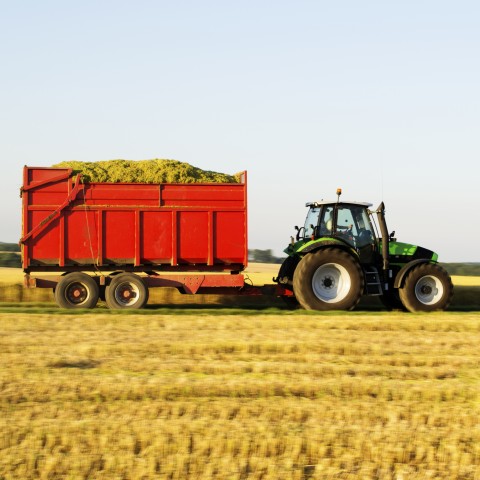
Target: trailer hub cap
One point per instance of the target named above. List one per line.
(331, 283)
(76, 293)
(429, 290)
(126, 293)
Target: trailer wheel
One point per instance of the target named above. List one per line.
(126, 291)
(427, 288)
(76, 290)
(329, 279)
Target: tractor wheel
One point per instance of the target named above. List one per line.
(427, 288)
(329, 279)
(126, 291)
(76, 290)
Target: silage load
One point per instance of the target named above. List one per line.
(145, 171)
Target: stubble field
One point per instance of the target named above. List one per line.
(239, 394)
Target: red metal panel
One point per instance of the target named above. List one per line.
(157, 237)
(203, 195)
(44, 249)
(230, 237)
(122, 194)
(194, 283)
(82, 237)
(119, 236)
(193, 237)
(138, 226)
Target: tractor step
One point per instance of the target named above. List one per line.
(373, 284)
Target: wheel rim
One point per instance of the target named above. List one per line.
(77, 293)
(331, 283)
(127, 294)
(429, 290)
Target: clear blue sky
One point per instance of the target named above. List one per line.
(379, 98)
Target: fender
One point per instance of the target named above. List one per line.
(319, 243)
(406, 268)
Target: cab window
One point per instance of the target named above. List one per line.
(326, 223)
(311, 221)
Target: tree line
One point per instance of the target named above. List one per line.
(9, 256)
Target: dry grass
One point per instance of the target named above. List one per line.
(232, 396)
(465, 281)
(11, 276)
(261, 273)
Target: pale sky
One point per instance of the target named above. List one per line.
(380, 98)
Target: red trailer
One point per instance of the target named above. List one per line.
(165, 231)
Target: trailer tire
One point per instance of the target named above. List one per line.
(328, 279)
(427, 288)
(126, 291)
(76, 290)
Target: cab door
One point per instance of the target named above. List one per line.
(352, 225)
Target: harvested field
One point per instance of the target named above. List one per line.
(239, 395)
(145, 171)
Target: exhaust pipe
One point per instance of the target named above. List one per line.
(385, 238)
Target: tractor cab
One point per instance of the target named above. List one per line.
(346, 222)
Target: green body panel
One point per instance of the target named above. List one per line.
(400, 251)
(400, 248)
(298, 248)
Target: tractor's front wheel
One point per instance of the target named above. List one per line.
(427, 288)
(329, 279)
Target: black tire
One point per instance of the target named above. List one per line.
(126, 290)
(76, 290)
(329, 279)
(427, 288)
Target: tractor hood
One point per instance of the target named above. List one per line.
(400, 252)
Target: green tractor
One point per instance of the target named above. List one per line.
(339, 255)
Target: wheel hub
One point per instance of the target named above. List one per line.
(426, 289)
(127, 293)
(76, 293)
(429, 290)
(328, 282)
(331, 283)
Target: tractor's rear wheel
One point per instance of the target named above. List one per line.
(329, 279)
(427, 288)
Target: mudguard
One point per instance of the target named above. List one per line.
(320, 243)
(406, 268)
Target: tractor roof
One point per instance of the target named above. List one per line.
(330, 202)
